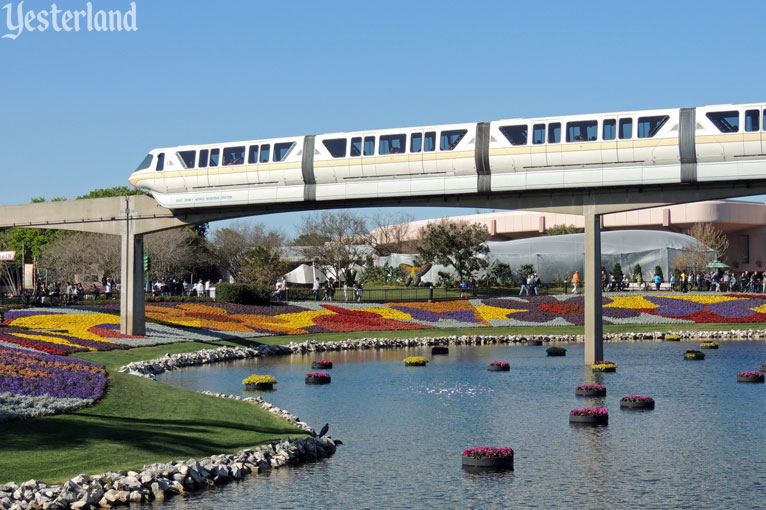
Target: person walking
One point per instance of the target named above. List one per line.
(657, 282)
(524, 286)
(575, 281)
(472, 285)
(315, 288)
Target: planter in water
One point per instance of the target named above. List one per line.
(591, 390)
(318, 378)
(534, 342)
(709, 345)
(672, 338)
(556, 351)
(604, 366)
(499, 366)
(589, 416)
(259, 382)
(488, 458)
(694, 355)
(439, 349)
(415, 361)
(323, 364)
(637, 402)
(750, 377)
(763, 367)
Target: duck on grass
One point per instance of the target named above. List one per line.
(637, 402)
(259, 382)
(694, 355)
(604, 366)
(499, 366)
(415, 361)
(488, 457)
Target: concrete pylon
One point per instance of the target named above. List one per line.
(132, 308)
(594, 329)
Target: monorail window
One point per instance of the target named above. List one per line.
(203, 158)
(517, 135)
(726, 122)
(369, 145)
(336, 147)
(146, 163)
(187, 158)
(554, 132)
(392, 144)
(265, 153)
(429, 145)
(764, 120)
(214, 156)
(649, 126)
(450, 139)
(416, 142)
(356, 146)
(233, 155)
(626, 129)
(252, 155)
(752, 120)
(160, 162)
(582, 131)
(609, 130)
(538, 134)
(282, 149)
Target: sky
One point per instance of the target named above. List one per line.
(80, 109)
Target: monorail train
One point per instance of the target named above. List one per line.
(682, 145)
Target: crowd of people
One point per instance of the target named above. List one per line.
(700, 281)
(326, 291)
(68, 292)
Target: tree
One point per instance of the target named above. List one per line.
(501, 272)
(262, 265)
(391, 233)
(230, 246)
(455, 244)
(171, 252)
(696, 257)
(81, 257)
(557, 230)
(617, 272)
(525, 270)
(340, 239)
(116, 191)
(658, 271)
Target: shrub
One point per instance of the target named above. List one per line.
(556, 351)
(243, 294)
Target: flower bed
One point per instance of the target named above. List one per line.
(589, 416)
(709, 345)
(750, 377)
(556, 351)
(499, 366)
(488, 457)
(637, 402)
(694, 355)
(415, 361)
(439, 349)
(604, 366)
(321, 364)
(590, 390)
(318, 378)
(259, 382)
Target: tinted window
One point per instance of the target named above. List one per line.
(538, 134)
(187, 158)
(582, 131)
(517, 135)
(233, 155)
(752, 122)
(282, 149)
(252, 155)
(649, 126)
(416, 142)
(626, 129)
(392, 144)
(265, 152)
(554, 132)
(146, 163)
(214, 156)
(430, 142)
(726, 122)
(356, 146)
(610, 130)
(450, 139)
(203, 158)
(161, 161)
(369, 145)
(336, 147)
(764, 120)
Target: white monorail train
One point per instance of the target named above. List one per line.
(686, 145)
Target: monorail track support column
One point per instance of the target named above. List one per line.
(594, 330)
(132, 307)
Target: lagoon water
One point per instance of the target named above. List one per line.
(404, 429)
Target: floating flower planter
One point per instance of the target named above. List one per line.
(604, 366)
(763, 367)
(672, 338)
(534, 342)
(499, 366)
(748, 376)
(323, 364)
(259, 382)
(589, 416)
(488, 457)
(556, 351)
(637, 402)
(694, 355)
(709, 345)
(318, 378)
(591, 390)
(415, 361)
(440, 349)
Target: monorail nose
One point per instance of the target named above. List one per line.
(133, 179)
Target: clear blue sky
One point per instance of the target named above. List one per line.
(79, 111)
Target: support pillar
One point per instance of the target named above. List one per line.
(594, 329)
(132, 308)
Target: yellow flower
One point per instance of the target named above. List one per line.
(634, 302)
(495, 313)
(75, 324)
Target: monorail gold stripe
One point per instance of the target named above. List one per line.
(731, 138)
